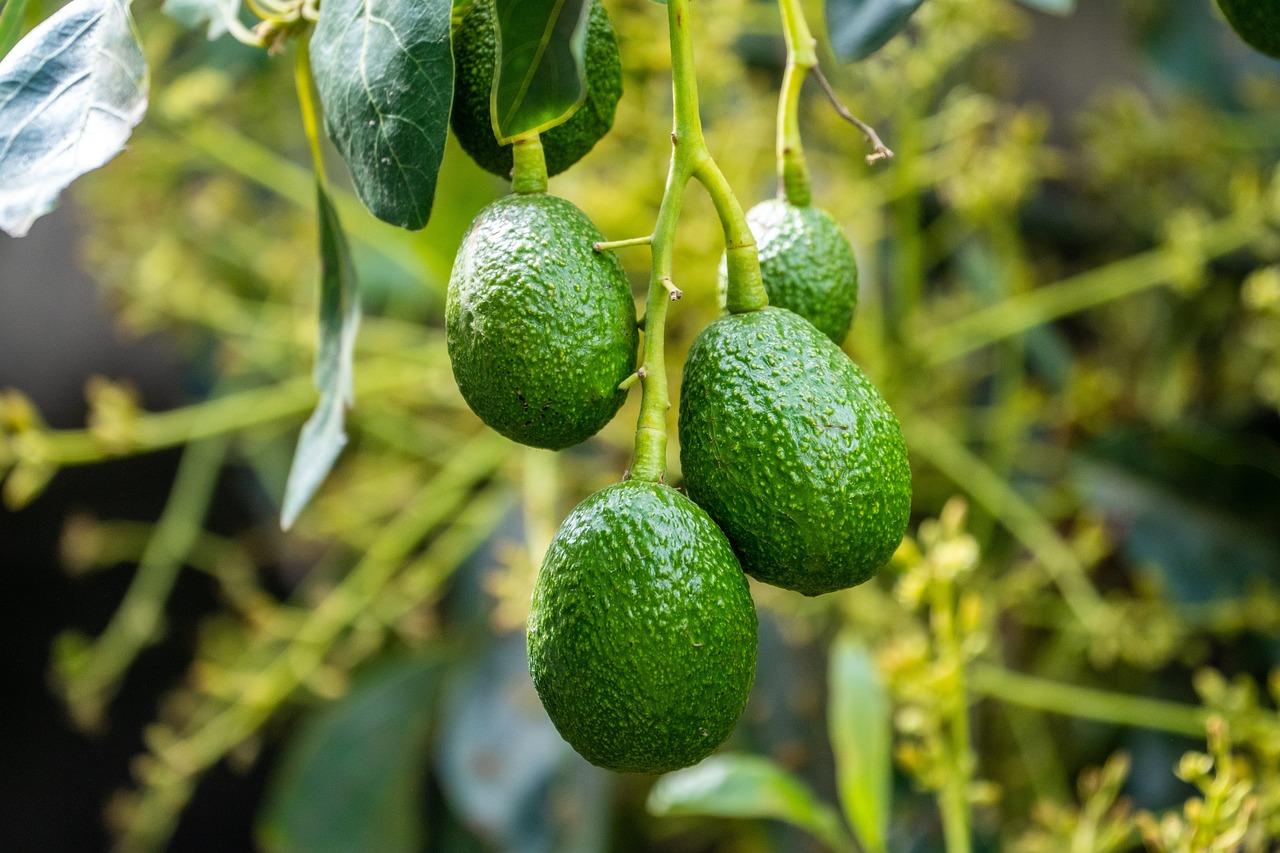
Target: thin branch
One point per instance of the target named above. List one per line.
(879, 151)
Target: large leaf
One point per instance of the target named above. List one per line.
(324, 435)
(858, 28)
(384, 70)
(71, 92)
(352, 778)
(197, 13)
(858, 716)
(540, 79)
(745, 786)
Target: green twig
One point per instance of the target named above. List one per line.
(802, 56)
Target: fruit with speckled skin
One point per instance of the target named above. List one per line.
(541, 327)
(642, 634)
(474, 52)
(807, 264)
(1257, 22)
(793, 452)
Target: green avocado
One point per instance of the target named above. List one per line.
(474, 60)
(1257, 22)
(807, 264)
(642, 633)
(793, 452)
(541, 327)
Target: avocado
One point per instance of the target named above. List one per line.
(1256, 21)
(642, 633)
(807, 264)
(474, 59)
(793, 452)
(540, 327)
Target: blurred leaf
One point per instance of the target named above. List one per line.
(384, 70)
(745, 786)
(858, 28)
(540, 81)
(193, 14)
(351, 778)
(1053, 7)
(71, 93)
(12, 14)
(858, 716)
(324, 435)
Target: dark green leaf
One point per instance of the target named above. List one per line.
(71, 93)
(351, 779)
(384, 71)
(861, 736)
(858, 28)
(197, 13)
(323, 435)
(540, 81)
(745, 786)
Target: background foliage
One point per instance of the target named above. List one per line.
(1069, 295)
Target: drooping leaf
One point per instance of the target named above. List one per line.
(324, 435)
(540, 79)
(12, 14)
(745, 786)
(193, 14)
(858, 28)
(71, 92)
(351, 779)
(1053, 7)
(858, 717)
(384, 71)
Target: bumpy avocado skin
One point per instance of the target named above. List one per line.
(642, 633)
(807, 264)
(541, 328)
(474, 57)
(1256, 21)
(793, 452)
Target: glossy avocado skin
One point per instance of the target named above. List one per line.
(642, 634)
(474, 57)
(793, 452)
(1256, 21)
(807, 264)
(541, 327)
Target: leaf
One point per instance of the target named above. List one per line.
(540, 80)
(1053, 7)
(858, 28)
(323, 435)
(745, 786)
(193, 14)
(384, 70)
(71, 92)
(352, 777)
(12, 15)
(858, 717)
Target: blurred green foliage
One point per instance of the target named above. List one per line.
(1075, 312)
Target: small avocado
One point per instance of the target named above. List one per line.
(642, 633)
(807, 264)
(1256, 21)
(541, 328)
(793, 452)
(474, 59)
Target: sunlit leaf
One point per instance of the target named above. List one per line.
(858, 28)
(858, 716)
(12, 14)
(745, 786)
(71, 93)
(324, 435)
(384, 70)
(193, 14)
(540, 80)
(352, 778)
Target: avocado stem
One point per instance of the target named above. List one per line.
(802, 56)
(690, 159)
(610, 245)
(529, 172)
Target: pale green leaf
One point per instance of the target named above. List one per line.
(540, 80)
(1053, 7)
(192, 14)
(858, 716)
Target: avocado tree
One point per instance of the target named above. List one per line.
(642, 633)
